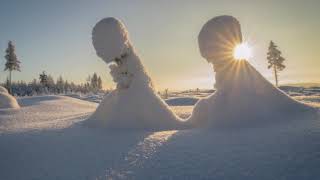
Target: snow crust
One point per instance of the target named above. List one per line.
(134, 103)
(243, 95)
(6, 100)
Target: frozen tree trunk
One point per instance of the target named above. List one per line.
(275, 75)
(10, 77)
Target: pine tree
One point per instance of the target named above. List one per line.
(12, 64)
(43, 79)
(60, 85)
(67, 86)
(275, 60)
(94, 81)
(99, 83)
(50, 84)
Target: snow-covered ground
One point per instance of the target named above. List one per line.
(45, 139)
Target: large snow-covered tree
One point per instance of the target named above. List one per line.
(12, 63)
(275, 60)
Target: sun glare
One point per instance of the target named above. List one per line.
(242, 51)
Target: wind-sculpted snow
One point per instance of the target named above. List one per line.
(134, 103)
(139, 155)
(45, 140)
(218, 38)
(243, 95)
(44, 112)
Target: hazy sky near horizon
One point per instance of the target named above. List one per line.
(55, 36)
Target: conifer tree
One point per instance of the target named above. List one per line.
(60, 85)
(275, 60)
(43, 79)
(99, 83)
(12, 63)
(94, 81)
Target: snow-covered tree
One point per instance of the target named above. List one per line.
(94, 81)
(99, 83)
(44, 82)
(275, 60)
(12, 64)
(47, 85)
(43, 78)
(34, 87)
(50, 84)
(60, 85)
(66, 86)
(125, 107)
(243, 97)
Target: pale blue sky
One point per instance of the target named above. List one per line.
(55, 36)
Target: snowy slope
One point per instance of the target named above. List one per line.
(41, 112)
(46, 140)
(284, 151)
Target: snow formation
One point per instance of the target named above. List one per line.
(3, 90)
(44, 140)
(6, 100)
(134, 103)
(243, 95)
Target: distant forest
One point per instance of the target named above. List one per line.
(45, 84)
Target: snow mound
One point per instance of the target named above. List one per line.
(6, 100)
(44, 112)
(134, 103)
(243, 95)
(3, 90)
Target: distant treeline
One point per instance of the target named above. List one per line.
(47, 85)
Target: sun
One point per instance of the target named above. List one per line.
(242, 51)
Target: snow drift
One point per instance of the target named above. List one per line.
(6, 100)
(243, 94)
(134, 103)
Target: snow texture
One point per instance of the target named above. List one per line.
(3, 90)
(6, 100)
(134, 103)
(44, 139)
(44, 112)
(243, 95)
